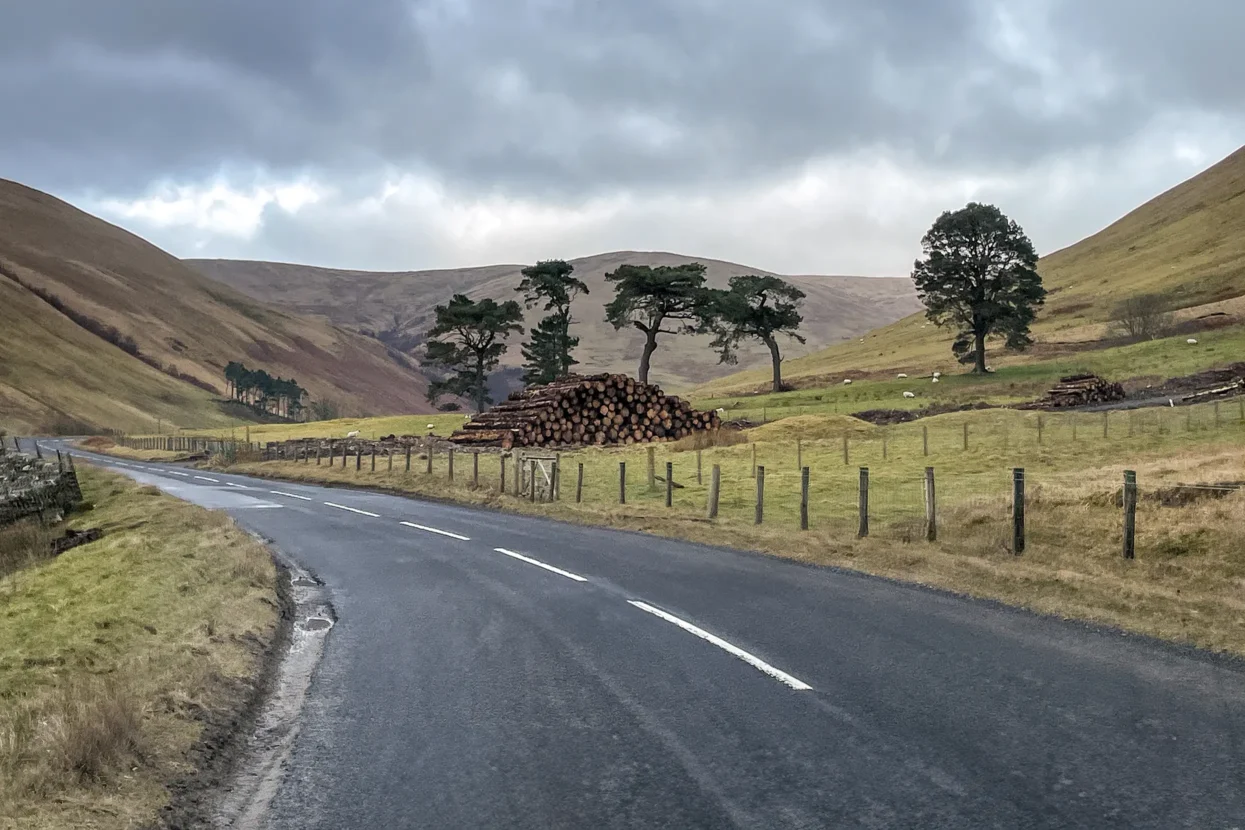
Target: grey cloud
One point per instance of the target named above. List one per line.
(534, 96)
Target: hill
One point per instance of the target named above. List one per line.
(837, 307)
(1188, 242)
(55, 369)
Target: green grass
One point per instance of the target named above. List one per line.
(443, 424)
(112, 656)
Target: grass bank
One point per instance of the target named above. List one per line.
(1184, 586)
(121, 658)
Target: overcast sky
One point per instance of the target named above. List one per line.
(800, 136)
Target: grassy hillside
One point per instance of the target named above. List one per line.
(1189, 242)
(837, 307)
(176, 316)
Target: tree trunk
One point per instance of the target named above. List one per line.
(776, 360)
(650, 346)
(979, 346)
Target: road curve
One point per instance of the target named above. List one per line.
(489, 670)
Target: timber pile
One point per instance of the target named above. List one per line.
(1080, 390)
(578, 409)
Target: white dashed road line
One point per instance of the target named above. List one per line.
(175, 473)
(435, 530)
(352, 510)
(239, 486)
(291, 495)
(752, 660)
(205, 478)
(538, 564)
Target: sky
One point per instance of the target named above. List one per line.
(797, 136)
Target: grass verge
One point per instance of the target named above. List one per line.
(120, 658)
(1184, 586)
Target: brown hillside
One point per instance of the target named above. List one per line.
(175, 315)
(837, 307)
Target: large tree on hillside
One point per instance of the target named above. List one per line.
(754, 308)
(649, 298)
(548, 352)
(466, 343)
(979, 276)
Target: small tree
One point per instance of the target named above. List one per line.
(1143, 317)
(472, 342)
(548, 353)
(979, 276)
(649, 298)
(754, 307)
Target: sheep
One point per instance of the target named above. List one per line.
(937, 374)
(902, 375)
(354, 433)
(847, 381)
(432, 426)
(1192, 341)
(935, 380)
(909, 394)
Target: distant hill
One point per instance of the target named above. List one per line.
(1188, 242)
(53, 368)
(837, 307)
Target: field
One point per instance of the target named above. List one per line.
(1184, 584)
(118, 656)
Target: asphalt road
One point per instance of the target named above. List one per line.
(489, 670)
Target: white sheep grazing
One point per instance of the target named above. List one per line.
(937, 374)
(432, 426)
(935, 380)
(902, 375)
(354, 433)
(721, 412)
(1192, 341)
(909, 394)
(847, 381)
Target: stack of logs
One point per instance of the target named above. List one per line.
(1080, 390)
(577, 410)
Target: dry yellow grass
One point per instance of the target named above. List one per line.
(1185, 584)
(114, 654)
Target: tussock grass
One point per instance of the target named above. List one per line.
(114, 655)
(24, 543)
(710, 438)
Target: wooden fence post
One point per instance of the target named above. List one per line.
(1040, 424)
(1073, 427)
(475, 470)
(317, 455)
(373, 458)
(358, 458)
(622, 482)
(799, 454)
(1216, 414)
(428, 469)
(884, 454)
(699, 480)
(753, 473)
(863, 503)
(531, 478)
(450, 473)
(669, 484)
(925, 440)
(60, 462)
(760, 511)
(389, 455)
(845, 456)
(1106, 424)
(555, 480)
(966, 436)
(408, 458)
(579, 484)
(931, 507)
(1130, 514)
(503, 472)
(652, 469)
(1018, 511)
(715, 487)
(804, 498)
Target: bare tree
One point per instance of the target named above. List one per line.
(1143, 317)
